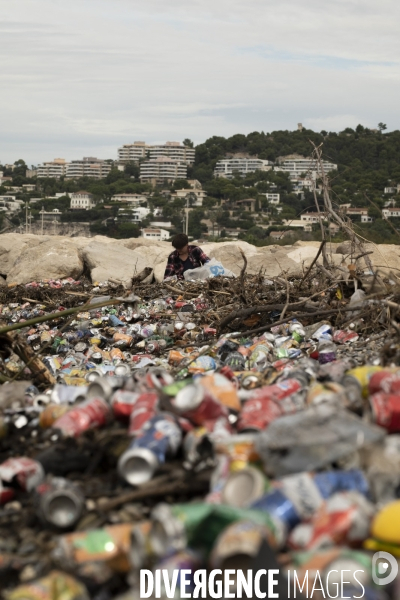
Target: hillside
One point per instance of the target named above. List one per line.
(368, 162)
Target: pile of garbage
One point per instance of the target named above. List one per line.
(233, 423)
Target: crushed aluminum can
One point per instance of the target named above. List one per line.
(93, 413)
(104, 387)
(344, 518)
(196, 403)
(202, 364)
(123, 403)
(27, 472)
(59, 502)
(387, 381)
(160, 437)
(144, 409)
(386, 411)
(268, 403)
(244, 486)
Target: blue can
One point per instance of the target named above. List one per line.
(331, 482)
(114, 321)
(160, 436)
(279, 507)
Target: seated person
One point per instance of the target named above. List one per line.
(184, 257)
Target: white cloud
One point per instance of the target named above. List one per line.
(85, 76)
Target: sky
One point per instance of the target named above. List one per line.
(81, 78)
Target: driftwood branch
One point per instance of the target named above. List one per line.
(241, 277)
(313, 262)
(39, 370)
(246, 312)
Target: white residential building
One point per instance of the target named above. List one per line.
(29, 187)
(390, 212)
(155, 234)
(162, 169)
(133, 152)
(57, 195)
(161, 222)
(16, 189)
(200, 195)
(296, 164)
(131, 198)
(140, 150)
(272, 198)
(4, 179)
(7, 205)
(228, 167)
(82, 200)
(390, 190)
(312, 217)
(55, 169)
(89, 166)
(356, 212)
(300, 184)
(135, 215)
(174, 150)
(304, 225)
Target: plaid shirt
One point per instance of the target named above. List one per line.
(175, 264)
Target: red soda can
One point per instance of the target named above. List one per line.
(277, 391)
(341, 337)
(157, 379)
(384, 381)
(123, 402)
(267, 404)
(94, 412)
(180, 303)
(145, 407)
(257, 414)
(386, 411)
(282, 363)
(209, 331)
(194, 402)
(138, 357)
(201, 306)
(27, 472)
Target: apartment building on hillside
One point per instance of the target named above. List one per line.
(173, 150)
(161, 169)
(132, 152)
(55, 169)
(89, 166)
(140, 150)
(295, 164)
(228, 167)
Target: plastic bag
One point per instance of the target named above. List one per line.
(211, 269)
